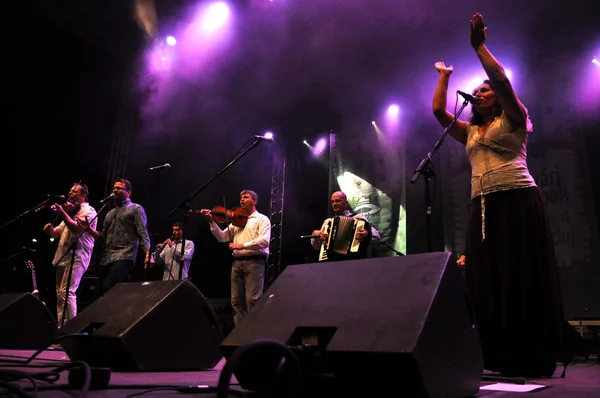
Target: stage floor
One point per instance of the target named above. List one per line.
(582, 380)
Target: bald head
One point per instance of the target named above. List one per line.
(339, 203)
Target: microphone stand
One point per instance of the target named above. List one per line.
(426, 169)
(34, 209)
(381, 242)
(23, 250)
(4, 288)
(154, 223)
(185, 203)
(72, 251)
(181, 262)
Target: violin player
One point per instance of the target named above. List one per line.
(75, 209)
(249, 245)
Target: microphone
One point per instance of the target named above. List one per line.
(310, 236)
(469, 97)
(109, 197)
(56, 198)
(263, 138)
(162, 166)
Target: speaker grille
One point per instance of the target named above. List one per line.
(147, 326)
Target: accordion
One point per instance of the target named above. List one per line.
(341, 243)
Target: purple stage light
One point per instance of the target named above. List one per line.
(215, 17)
(171, 41)
(321, 145)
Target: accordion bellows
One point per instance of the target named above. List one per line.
(341, 242)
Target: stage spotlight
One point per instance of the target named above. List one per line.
(171, 41)
(269, 134)
(215, 17)
(595, 61)
(321, 145)
(318, 149)
(373, 123)
(393, 110)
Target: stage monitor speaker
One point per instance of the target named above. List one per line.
(389, 324)
(146, 326)
(25, 322)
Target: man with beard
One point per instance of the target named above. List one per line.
(124, 230)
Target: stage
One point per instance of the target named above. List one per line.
(582, 380)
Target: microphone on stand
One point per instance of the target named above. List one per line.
(56, 198)
(263, 138)
(161, 167)
(469, 97)
(109, 197)
(50, 198)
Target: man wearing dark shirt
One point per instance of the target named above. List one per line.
(124, 230)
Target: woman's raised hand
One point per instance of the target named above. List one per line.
(478, 31)
(442, 68)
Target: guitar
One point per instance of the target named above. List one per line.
(35, 292)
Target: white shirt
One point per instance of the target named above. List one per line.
(172, 258)
(255, 236)
(85, 246)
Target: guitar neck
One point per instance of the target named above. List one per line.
(34, 280)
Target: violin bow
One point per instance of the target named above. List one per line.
(228, 225)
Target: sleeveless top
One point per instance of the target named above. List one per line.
(498, 159)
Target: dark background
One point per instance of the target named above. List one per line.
(68, 77)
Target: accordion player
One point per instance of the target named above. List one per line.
(341, 242)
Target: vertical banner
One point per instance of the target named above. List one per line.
(370, 168)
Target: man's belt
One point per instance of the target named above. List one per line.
(253, 257)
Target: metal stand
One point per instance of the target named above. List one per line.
(154, 236)
(426, 169)
(4, 285)
(185, 203)
(34, 209)
(382, 243)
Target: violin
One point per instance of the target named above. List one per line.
(237, 216)
(71, 208)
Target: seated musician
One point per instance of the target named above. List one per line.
(340, 206)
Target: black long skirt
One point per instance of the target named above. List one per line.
(513, 283)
